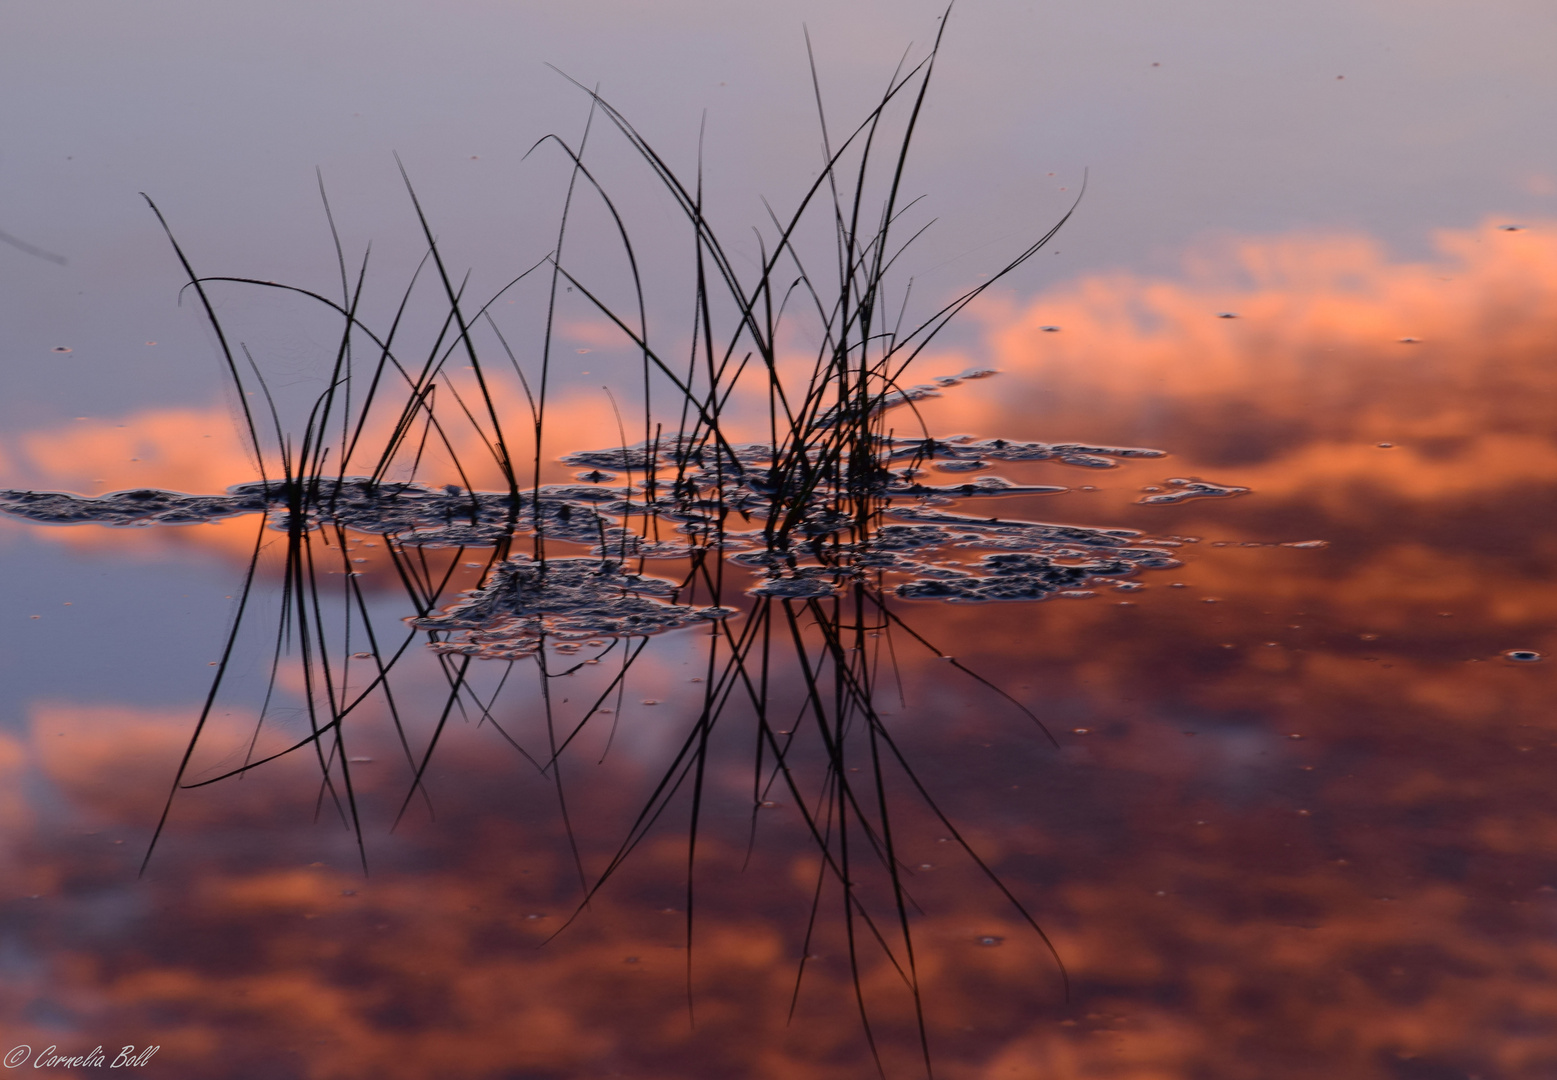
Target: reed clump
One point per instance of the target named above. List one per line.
(804, 509)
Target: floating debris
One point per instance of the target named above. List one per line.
(1191, 488)
(527, 602)
(704, 456)
(1010, 576)
(917, 547)
(800, 587)
(139, 507)
(961, 466)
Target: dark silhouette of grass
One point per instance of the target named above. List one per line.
(822, 619)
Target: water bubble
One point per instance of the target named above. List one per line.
(926, 866)
(61, 349)
(1386, 446)
(650, 701)
(767, 804)
(1523, 656)
(989, 940)
(348, 892)
(1226, 314)
(1081, 731)
(1409, 341)
(1511, 228)
(1295, 735)
(1049, 329)
(360, 760)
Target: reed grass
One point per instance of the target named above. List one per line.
(816, 496)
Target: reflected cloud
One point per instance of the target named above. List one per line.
(1318, 353)
(1311, 395)
(1201, 937)
(1300, 824)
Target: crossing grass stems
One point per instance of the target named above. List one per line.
(818, 498)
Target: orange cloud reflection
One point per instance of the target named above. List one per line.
(1300, 824)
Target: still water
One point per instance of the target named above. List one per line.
(1298, 823)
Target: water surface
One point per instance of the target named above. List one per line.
(1298, 823)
